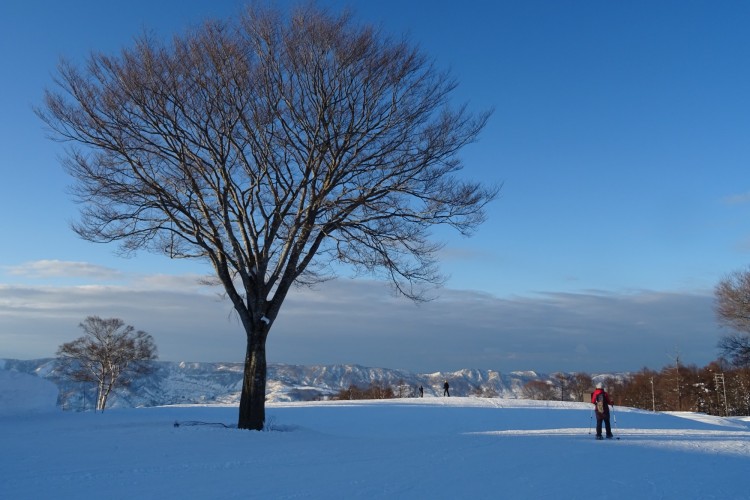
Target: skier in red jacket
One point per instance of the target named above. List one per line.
(602, 402)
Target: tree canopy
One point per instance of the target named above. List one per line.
(270, 146)
(733, 310)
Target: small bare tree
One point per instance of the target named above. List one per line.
(542, 390)
(270, 147)
(484, 391)
(732, 306)
(563, 382)
(109, 354)
(580, 386)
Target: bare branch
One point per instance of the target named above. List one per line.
(271, 147)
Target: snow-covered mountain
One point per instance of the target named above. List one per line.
(220, 383)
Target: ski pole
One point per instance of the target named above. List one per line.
(614, 417)
(591, 417)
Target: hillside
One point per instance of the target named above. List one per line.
(220, 383)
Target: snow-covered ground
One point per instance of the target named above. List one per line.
(431, 448)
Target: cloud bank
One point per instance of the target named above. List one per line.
(362, 322)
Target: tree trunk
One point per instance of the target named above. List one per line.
(253, 398)
(100, 397)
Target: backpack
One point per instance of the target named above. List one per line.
(601, 403)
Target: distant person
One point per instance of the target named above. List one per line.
(446, 392)
(421, 392)
(602, 402)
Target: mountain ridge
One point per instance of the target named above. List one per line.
(194, 382)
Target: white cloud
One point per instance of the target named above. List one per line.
(171, 282)
(41, 269)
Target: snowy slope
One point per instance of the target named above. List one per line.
(431, 448)
(22, 393)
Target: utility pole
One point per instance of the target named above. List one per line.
(679, 384)
(719, 378)
(653, 396)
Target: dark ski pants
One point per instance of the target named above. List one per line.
(603, 417)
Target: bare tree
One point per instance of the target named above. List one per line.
(270, 147)
(640, 389)
(580, 386)
(564, 381)
(376, 390)
(540, 390)
(109, 354)
(736, 348)
(732, 306)
(484, 391)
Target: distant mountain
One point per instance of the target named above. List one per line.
(220, 383)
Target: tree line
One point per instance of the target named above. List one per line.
(715, 389)
(376, 390)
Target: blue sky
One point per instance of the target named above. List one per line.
(620, 133)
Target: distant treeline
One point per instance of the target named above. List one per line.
(376, 390)
(716, 389)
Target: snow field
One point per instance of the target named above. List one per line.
(429, 448)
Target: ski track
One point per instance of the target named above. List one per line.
(717, 442)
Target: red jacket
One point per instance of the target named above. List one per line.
(607, 399)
